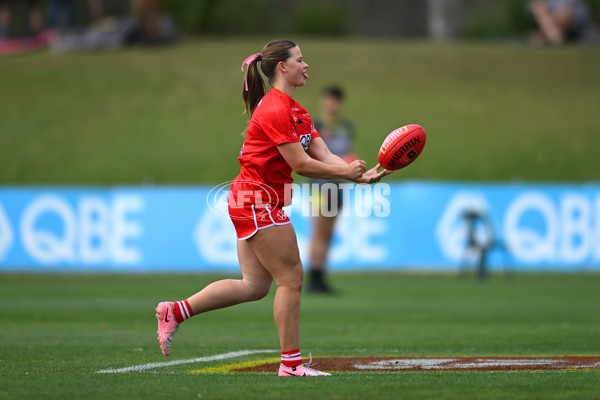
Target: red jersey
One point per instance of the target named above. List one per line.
(277, 119)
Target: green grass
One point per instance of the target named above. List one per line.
(57, 330)
(173, 115)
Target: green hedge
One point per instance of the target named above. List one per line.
(235, 17)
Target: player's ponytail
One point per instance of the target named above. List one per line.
(254, 85)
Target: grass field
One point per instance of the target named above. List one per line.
(173, 115)
(58, 330)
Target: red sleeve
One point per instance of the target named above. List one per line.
(278, 125)
(313, 131)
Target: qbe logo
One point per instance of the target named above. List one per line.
(536, 227)
(52, 229)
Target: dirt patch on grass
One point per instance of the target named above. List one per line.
(390, 364)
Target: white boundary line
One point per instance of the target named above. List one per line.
(224, 356)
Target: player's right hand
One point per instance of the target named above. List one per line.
(372, 176)
(356, 169)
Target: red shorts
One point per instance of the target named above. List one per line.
(248, 219)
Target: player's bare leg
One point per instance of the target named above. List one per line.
(277, 249)
(254, 285)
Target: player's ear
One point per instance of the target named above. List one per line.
(281, 66)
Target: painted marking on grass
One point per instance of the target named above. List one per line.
(227, 368)
(473, 363)
(425, 364)
(216, 357)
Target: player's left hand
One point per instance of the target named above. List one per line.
(372, 176)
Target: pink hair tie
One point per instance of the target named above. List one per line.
(247, 62)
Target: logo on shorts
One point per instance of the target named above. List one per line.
(281, 215)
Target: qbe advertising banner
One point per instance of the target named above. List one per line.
(416, 225)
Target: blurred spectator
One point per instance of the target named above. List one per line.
(31, 36)
(338, 134)
(147, 14)
(61, 13)
(559, 21)
(146, 25)
(34, 22)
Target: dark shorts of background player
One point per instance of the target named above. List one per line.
(332, 197)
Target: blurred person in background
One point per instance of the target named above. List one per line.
(62, 14)
(147, 14)
(338, 133)
(34, 21)
(559, 21)
(146, 25)
(32, 35)
(5, 19)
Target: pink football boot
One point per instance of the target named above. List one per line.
(167, 326)
(301, 370)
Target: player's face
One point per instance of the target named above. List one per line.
(296, 68)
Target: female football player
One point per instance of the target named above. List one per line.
(280, 138)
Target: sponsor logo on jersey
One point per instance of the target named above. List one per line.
(305, 140)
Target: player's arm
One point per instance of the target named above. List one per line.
(319, 151)
(305, 165)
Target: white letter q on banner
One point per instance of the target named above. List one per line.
(6, 234)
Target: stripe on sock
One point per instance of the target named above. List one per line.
(187, 310)
(182, 311)
(186, 313)
(291, 358)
